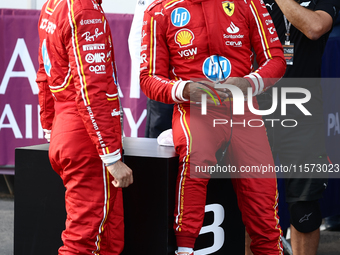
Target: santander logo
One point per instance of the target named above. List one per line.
(233, 29)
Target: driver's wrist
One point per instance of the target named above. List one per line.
(186, 91)
(180, 91)
(110, 164)
(255, 83)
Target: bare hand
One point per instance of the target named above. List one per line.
(122, 174)
(239, 82)
(194, 91)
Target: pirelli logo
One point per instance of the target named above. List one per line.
(96, 46)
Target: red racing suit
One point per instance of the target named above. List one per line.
(187, 40)
(79, 101)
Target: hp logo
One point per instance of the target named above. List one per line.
(216, 68)
(46, 58)
(180, 17)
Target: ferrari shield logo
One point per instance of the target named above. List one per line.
(228, 7)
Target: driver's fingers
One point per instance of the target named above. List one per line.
(115, 183)
(224, 90)
(216, 102)
(223, 94)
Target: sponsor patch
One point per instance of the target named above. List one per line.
(98, 69)
(189, 53)
(228, 7)
(216, 68)
(89, 37)
(269, 21)
(95, 5)
(271, 30)
(143, 58)
(274, 39)
(95, 58)
(115, 113)
(90, 21)
(96, 46)
(180, 17)
(46, 58)
(48, 26)
(143, 34)
(234, 43)
(159, 13)
(225, 36)
(233, 29)
(108, 56)
(184, 37)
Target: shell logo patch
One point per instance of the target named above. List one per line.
(184, 37)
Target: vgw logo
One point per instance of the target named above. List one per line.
(180, 17)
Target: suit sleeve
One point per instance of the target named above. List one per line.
(268, 49)
(155, 67)
(46, 100)
(92, 69)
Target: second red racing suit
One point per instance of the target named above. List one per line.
(187, 40)
(78, 94)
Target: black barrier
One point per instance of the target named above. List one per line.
(39, 205)
(149, 205)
